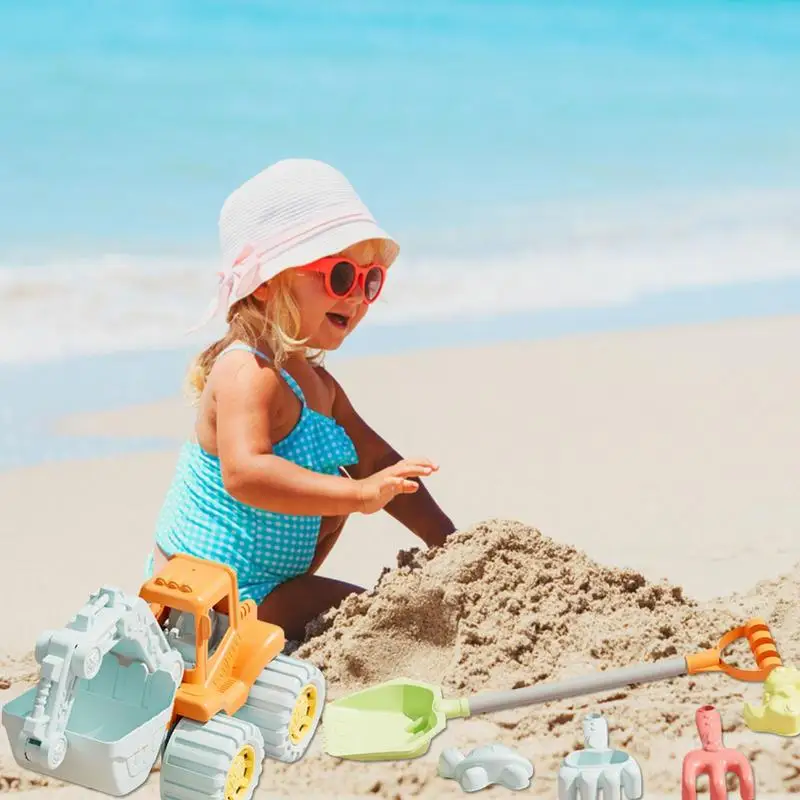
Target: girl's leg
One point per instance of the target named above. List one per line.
(293, 604)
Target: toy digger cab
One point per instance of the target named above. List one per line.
(183, 671)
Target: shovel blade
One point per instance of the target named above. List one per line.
(394, 720)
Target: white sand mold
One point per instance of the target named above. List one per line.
(485, 765)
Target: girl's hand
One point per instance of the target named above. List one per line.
(381, 488)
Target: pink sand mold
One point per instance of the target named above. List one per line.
(715, 760)
(598, 768)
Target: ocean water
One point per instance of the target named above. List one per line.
(539, 162)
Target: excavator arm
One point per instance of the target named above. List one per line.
(112, 622)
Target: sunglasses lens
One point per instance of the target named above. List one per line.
(373, 283)
(343, 276)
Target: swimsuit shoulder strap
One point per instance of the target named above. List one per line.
(293, 385)
(247, 349)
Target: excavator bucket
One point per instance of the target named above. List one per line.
(100, 711)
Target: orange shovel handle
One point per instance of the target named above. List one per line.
(762, 645)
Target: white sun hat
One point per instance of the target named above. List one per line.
(292, 213)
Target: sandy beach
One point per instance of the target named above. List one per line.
(657, 469)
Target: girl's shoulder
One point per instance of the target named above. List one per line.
(242, 386)
(244, 370)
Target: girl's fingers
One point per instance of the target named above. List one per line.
(426, 462)
(403, 486)
(411, 469)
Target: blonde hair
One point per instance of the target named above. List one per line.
(276, 321)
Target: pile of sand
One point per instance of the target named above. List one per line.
(502, 606)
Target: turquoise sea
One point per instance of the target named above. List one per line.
(547, 167)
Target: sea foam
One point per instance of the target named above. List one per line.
(529, 261)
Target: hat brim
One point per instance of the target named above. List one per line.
(327, 243)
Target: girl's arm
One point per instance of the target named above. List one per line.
(418, 512)
(248, 397)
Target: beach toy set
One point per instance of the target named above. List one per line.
(184, 671)
(398, 719)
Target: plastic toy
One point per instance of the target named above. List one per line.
(485, 765)
(598, 768)
(780, 709)
(399, 718)
(715, 760)
(186, 671)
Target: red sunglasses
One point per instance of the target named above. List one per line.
(343, 275)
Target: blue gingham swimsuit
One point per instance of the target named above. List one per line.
(265, 548)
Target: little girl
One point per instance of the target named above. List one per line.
(279, 456)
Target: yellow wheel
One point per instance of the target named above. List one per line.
(286, 703)
(241, 774)
(303, 714)
(217, 760)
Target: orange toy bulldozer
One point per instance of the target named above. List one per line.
(184, 671)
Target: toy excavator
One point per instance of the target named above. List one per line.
(184, 671)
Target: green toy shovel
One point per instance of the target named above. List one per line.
(398, 719)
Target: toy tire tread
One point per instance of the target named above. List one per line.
(272, 700)
(198, 756)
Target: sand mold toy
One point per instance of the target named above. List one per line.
(779, 711)
(485, 765)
